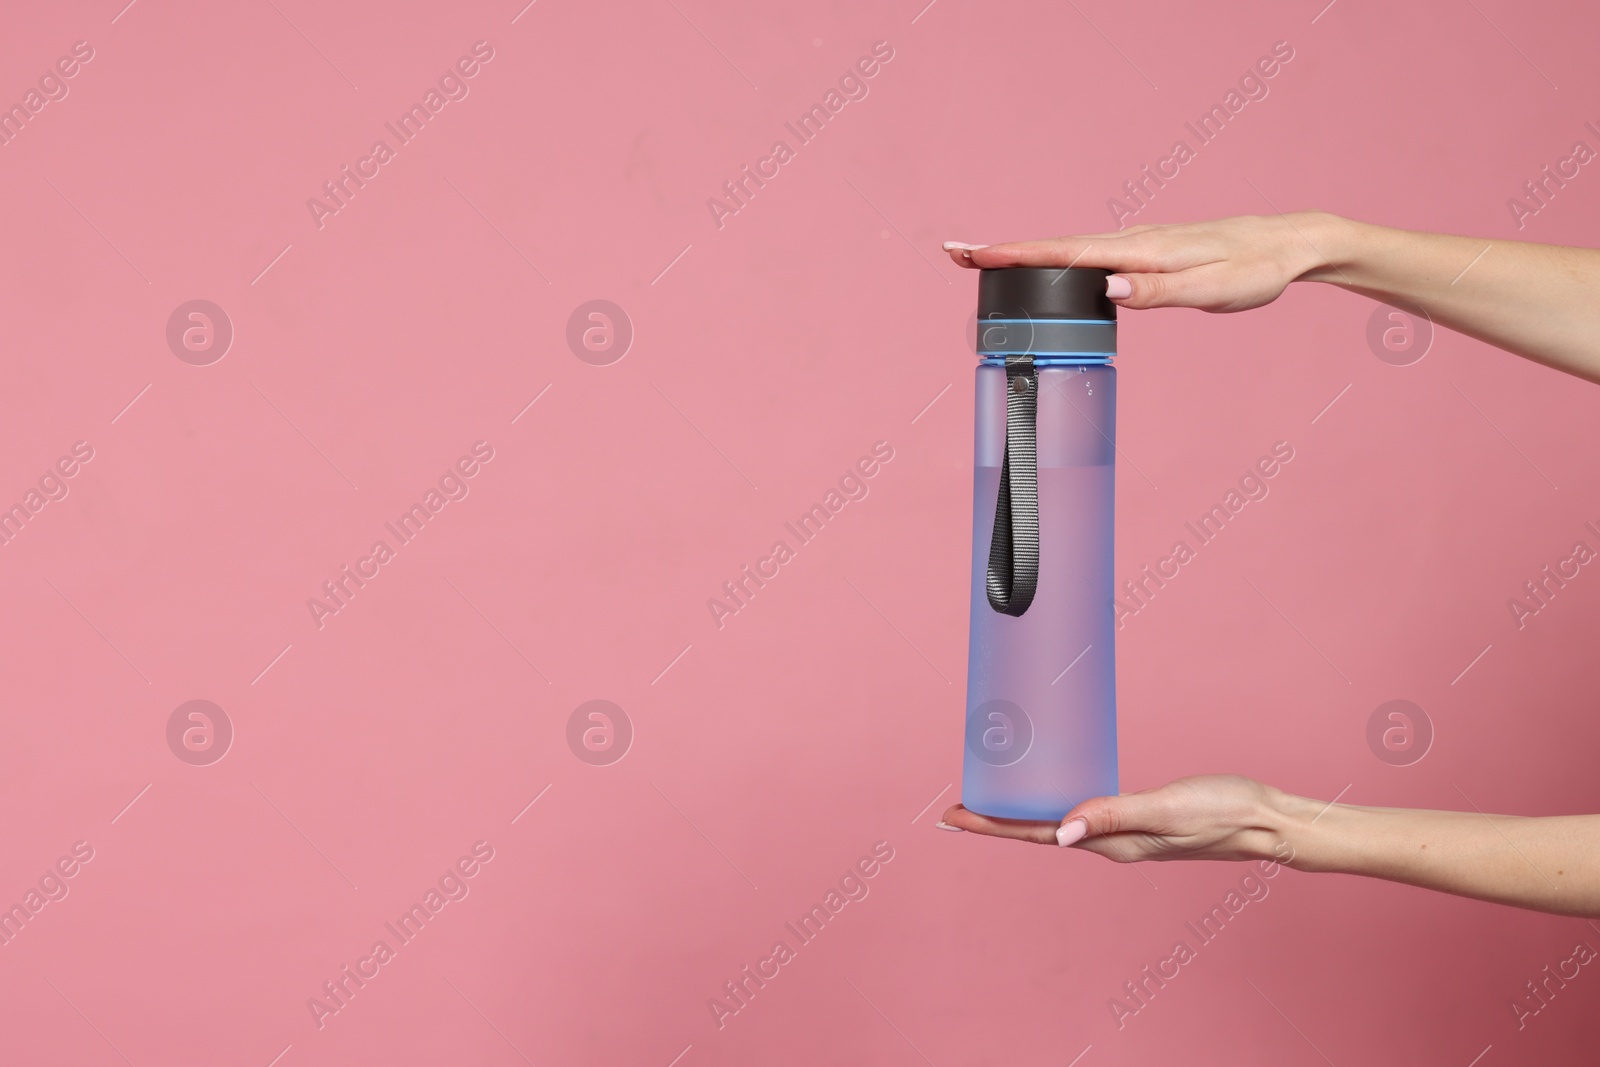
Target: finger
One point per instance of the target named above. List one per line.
(961, 253)
(1147, 812)
(1125, 232)
(960, 818)
(1121, 848)
(1055, 252)
(1144, 252)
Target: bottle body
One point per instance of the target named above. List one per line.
(1041, 686)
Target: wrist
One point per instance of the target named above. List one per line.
(1321, 835)
(1334, 245)
(1293, 831)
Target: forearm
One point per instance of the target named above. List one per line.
(1538, 301)
(1547, 863)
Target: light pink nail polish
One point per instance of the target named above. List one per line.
(941, 824)
(954, 246)
(1071, 833)
(1118, 287)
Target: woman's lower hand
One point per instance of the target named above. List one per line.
(1209, 817)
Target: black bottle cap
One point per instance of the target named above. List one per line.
(1044, 293)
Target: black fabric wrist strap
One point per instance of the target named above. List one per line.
(1014, 547)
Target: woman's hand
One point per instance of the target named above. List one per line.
(1210, 817)
(1550, 863)
(1227, 265)
(1538, 301)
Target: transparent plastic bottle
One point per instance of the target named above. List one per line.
(1041, 731)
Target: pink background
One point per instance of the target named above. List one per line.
(768, 355)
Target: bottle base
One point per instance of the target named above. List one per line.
(1021, 812)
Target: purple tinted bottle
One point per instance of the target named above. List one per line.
(1041, 724)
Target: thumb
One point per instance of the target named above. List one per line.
(1109, 815)
(1151, 290)
(1207, 287)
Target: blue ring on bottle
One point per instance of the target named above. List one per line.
(1075, 359)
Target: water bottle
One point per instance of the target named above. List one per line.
(1041, 725)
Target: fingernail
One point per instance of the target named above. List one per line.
(941, 824)
(1118, 287)
(950, 246)
(1071, 833)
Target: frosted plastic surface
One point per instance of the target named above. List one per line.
(1041, 688)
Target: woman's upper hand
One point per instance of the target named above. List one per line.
(1227, 265)
(1540, 301)
(1209, 817)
